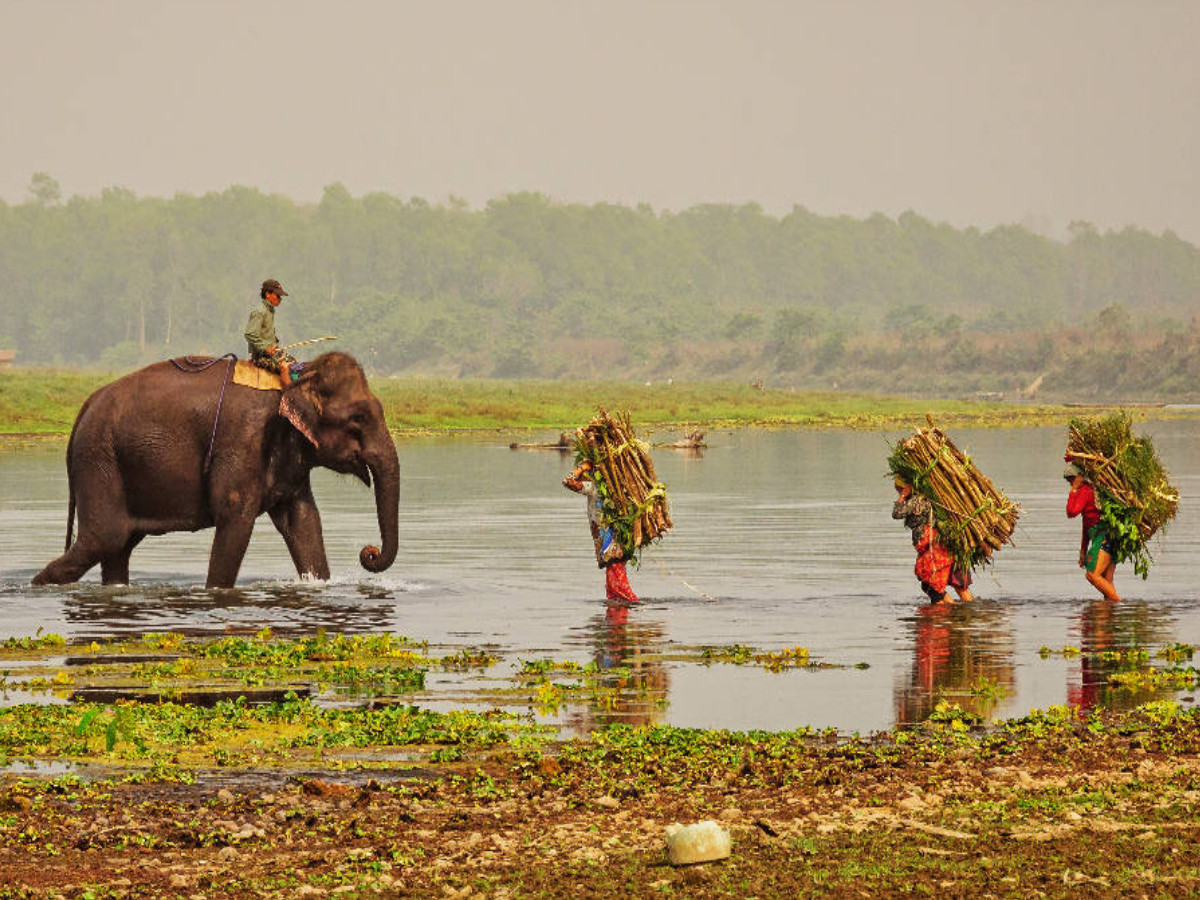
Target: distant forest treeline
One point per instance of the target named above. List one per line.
(530, 287)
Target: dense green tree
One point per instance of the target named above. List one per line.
(530, 286)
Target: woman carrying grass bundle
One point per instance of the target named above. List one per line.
(935, 568)
(1095, 549)
(1123, 492)
(610, 555)
(627, 504)
(957, 516)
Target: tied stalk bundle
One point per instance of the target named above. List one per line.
(972, 517)
(1133, 488)
(635, 501)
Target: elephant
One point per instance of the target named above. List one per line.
(177, 447)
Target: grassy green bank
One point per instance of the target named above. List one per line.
(44, 402)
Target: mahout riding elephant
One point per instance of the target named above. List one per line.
(149, 454)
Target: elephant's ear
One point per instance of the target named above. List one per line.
(301, 405)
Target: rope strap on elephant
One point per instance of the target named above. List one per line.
(194, 365)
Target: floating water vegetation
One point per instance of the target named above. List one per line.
(988, 688)
(1172, 679)
(953, 716)
(1176, 652)
(326, 670)
(1066, 652)
(1172, 652)
(38, 642)
(381, 666)
(771, 660)
(234, 733)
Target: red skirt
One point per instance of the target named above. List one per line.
(616, 583)
(934, 562)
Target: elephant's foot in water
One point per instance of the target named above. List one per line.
(300, 524)
(69, 567)
(84, 554)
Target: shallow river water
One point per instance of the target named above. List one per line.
(781, 539)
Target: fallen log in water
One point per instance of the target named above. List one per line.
(692, 440)
(563, 443)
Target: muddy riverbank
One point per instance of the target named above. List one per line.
(1053, 805)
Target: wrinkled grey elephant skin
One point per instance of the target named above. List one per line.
(135, 465)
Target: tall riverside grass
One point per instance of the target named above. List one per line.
(44, 401)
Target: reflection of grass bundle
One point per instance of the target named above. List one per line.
(635, 501)
(973, 518)
(1132, 486)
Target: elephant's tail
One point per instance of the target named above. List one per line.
(70, 520)
(71, 476)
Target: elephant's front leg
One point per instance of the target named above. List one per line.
(228, 549)
(299, 522)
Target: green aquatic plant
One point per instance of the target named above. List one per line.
(163, 641)
(166, 732)
(321, 648)
(988, 688)
(782, 660)
(542, 667)
(38, 641)
(1067, 652)
(469, 658)
(1172, 679)
(954, 716)
(1177, 652)
(120, 725)
(738, 654)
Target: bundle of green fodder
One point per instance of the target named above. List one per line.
(635, 501)
(1133, 488)
(972, 517)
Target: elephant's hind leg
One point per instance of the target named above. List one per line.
(73, 564)
(114, 568)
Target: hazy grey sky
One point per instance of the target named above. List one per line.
(971, 112)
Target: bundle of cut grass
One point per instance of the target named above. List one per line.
(635, 501)
(1133, 488)
(972, 517)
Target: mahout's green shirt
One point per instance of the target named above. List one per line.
(260, 330)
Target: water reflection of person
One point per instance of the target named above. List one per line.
(954, 649)
(631, 678)
(1105, 631)
(1087, 681)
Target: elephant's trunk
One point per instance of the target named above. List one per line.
(381, 459)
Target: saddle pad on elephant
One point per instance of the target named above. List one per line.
(248, 374)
